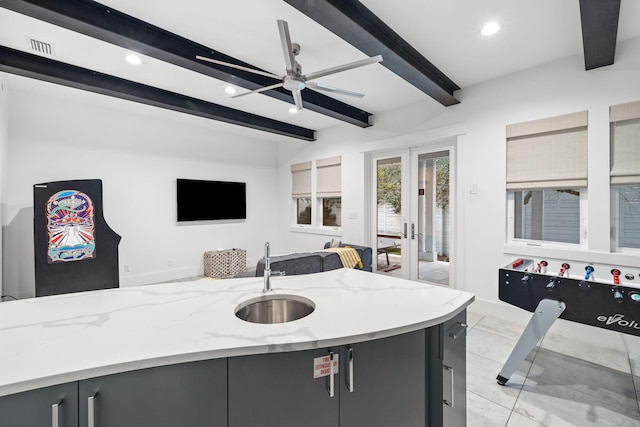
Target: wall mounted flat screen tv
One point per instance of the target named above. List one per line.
(211, 200)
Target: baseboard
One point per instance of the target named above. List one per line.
(495, 308)
(159, 276)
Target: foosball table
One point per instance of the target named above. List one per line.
(604, 303)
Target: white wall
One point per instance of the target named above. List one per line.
(557, 88)
(57, 133)
(138, 152)
(343, 143)
(3, 165)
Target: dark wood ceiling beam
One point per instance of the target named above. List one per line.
(353, 22)
(599, 31)
(104, 23)
(41, 68)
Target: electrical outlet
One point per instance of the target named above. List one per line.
(127, 268)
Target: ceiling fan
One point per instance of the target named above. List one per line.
(294, 80)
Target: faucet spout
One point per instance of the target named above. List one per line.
(267, 268)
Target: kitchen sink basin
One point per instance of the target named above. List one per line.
(271, 309)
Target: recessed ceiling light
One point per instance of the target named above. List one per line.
(293, 110)
(490, 28)
(133, 59)
(230, 90)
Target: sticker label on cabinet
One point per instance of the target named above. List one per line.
(322, 366)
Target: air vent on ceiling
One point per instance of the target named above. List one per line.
(43, 48)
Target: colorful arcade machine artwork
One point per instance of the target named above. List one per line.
(75, 249)
(70, 226)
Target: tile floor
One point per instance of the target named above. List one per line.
(435, 272)
(578, 375)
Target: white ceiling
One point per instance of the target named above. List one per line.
(447, 33)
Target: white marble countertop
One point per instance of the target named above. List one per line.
(53, 340)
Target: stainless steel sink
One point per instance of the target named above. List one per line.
(275, 309)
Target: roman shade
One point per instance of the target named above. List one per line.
(301, 180)
(329, 183)
(625, 143)
(548, 153)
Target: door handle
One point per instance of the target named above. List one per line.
(462, 328)
(91, 411)
(350, 369)
(405, 230)
(331, 377)
(449, 402)
(55, 414)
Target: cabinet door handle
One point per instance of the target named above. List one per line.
(91, 411)
(331, 376)
(350, 369)
(55, 414)
(462, 328)
(449, 402)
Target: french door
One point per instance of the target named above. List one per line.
(411, 211)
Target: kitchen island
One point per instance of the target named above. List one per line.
(81, 338)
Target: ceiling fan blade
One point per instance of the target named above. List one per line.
(287, 47)
(262, 89)
(327, 88)
(239, 67)
(297, 98)
(345, 67)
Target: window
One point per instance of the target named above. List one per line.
(627, 206)
(301, 192)
(549, 215)
(329, 190)
(303, 210)
(322, 206)
(332, 212)
(546, 177)
(625, 174)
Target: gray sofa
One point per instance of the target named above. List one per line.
(310, 262)
(332, 260)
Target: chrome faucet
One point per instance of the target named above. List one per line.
(267, 269)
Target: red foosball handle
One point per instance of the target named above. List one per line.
(616, 276)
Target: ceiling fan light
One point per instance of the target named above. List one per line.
(490, 28)
(133, 59)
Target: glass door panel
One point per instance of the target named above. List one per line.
(390, 210)
(411, 225)
(430, 213)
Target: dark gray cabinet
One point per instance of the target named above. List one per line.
(448, 372)
(51, 406)
(279, 389)
(188, 394)
(380, 383)
(383, 382)
(415, 379)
